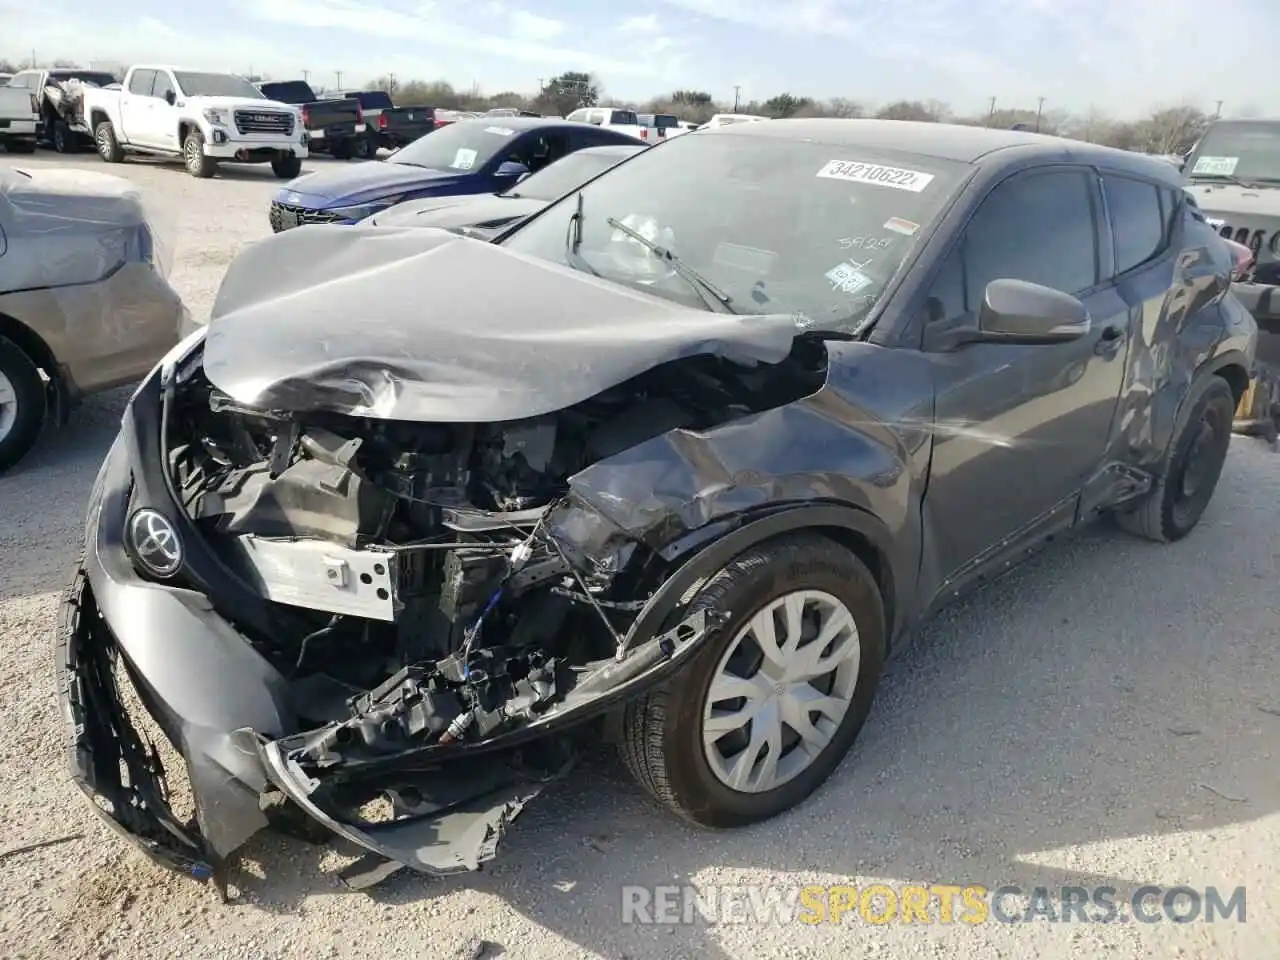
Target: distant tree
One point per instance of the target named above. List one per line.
(927, 111)
(567, 92)
(692, 98)
(842, 107)
(509, 99)
(1171, 129)
(786, 105)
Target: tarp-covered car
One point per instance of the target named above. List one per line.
(84, 303)
(678, 461)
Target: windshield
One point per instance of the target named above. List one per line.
(215, 85)
(779, 225)
(465, 145)
(294, 92)
(372, 99)
(1243, 151)
(566, 174)
(84, 76)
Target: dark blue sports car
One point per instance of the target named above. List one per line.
(480, 156)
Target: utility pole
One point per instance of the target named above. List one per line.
(1039, 112)
(338, 74)
(306, 76)
(737, 89)
(991, 111)
(1217, 112)
(391, 84)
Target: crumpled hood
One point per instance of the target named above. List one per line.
(361, 182)
(319, 319)
(449, 213)
(1233, 199)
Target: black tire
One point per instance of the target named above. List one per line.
(286, 168)
(1190, 473)
(31, 400)
(64, 139)
(366, 148)
(20, 146)
(109, 149)
(340, 150)
(661, 732)
(193, 156)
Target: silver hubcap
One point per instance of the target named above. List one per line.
(8, 406)
(780, 691)
(193, 155)
(104, 143)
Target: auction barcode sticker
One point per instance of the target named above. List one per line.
(876, 174)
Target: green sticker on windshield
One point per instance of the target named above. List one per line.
(1215, 166)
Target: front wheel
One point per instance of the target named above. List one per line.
(1189, 476)
(193, 156)
(22, 403)
(286, 168)
(109, 149)
(774, 700)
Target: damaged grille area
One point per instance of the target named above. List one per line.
(283, 216)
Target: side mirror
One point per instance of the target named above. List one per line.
(170, 97)
(510, 168)
(1014, 311)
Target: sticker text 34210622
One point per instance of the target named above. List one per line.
(876, 174)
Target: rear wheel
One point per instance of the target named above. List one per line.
(198, 165)
(286, 168)
(1186, 482)
(22, 403)
(64, 139)
(340, 150)
(774, 700)
(366, 148)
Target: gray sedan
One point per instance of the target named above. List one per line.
(84, 305)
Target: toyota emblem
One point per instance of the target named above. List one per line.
(155, 542)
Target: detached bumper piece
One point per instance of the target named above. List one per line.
(447, 792)
(110, 762)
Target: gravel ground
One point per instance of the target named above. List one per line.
(1108, 715)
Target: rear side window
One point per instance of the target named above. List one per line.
(141, 81)
(1038, 227)
(1137, 221)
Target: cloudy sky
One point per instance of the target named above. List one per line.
(1121, 56)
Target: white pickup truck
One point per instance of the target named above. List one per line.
(18, 120)
(204, 118)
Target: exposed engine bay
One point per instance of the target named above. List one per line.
(428, 597)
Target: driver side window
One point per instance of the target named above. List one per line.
(163, 86)
(1036, 226)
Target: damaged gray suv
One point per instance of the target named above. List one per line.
(677, 462)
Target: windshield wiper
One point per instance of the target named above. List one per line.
(712, 295)
(573, 240)
(1227, 178)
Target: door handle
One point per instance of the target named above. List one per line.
(1109, 342)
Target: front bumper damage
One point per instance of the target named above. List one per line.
(232, 719)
